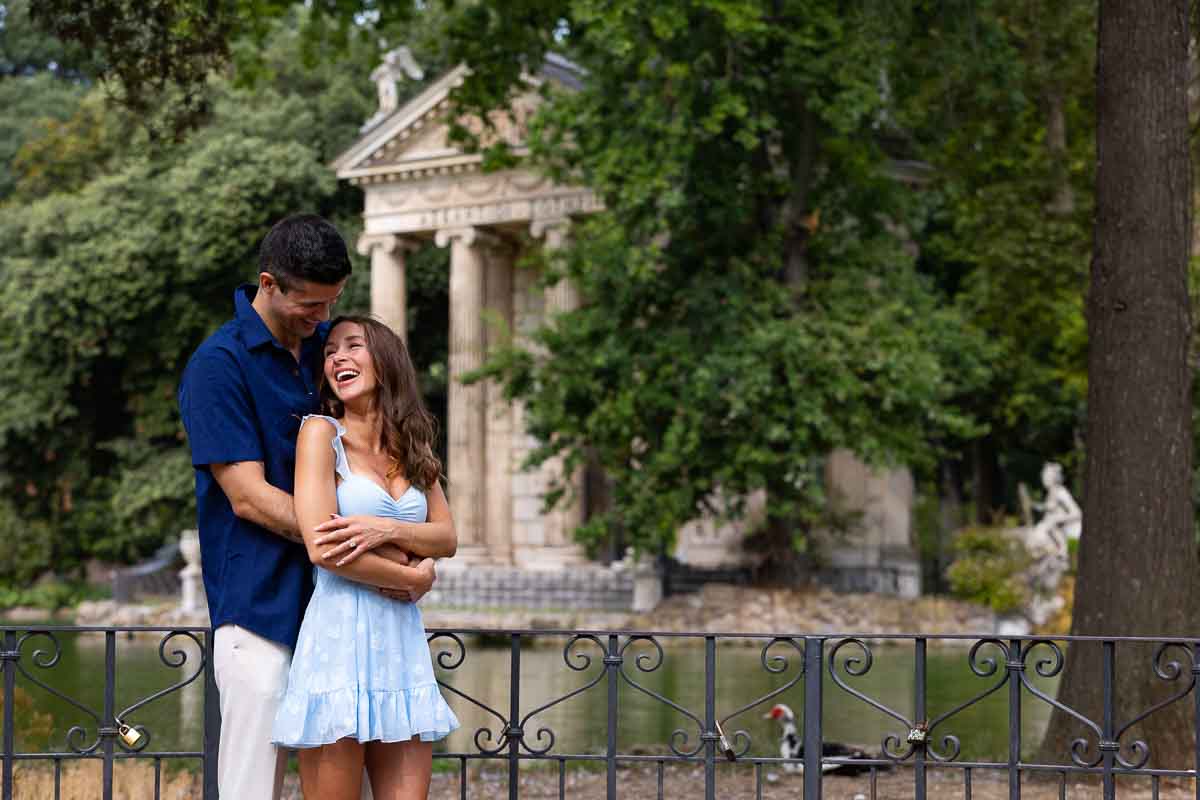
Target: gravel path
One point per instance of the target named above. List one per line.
(680, 782)
(687, 783)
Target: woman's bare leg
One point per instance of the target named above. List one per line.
(400, 770)
(332, 772)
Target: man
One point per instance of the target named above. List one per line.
(242, 398)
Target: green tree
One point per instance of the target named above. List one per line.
(41, 82)
(1137, 515)
(119, 254)
(749, 304)
(997, 99)
(26, 49)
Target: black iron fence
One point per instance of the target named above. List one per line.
(713, 737)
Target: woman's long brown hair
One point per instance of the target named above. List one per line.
(407, 429)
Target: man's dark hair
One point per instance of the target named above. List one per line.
(304, 247)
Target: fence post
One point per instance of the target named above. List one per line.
(212, 718)
(612, 662)
(1016, 666)
(514, 731)
(1196, 716)
(814, 657)
(1108, 747)
(108, 727)
(710, 717)
(8, 660)
(920, 714)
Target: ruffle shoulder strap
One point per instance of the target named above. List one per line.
(340, 465)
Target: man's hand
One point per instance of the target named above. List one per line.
(351, 536)
(416, 593)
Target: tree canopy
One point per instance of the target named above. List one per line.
(120, 254)
(828, 225)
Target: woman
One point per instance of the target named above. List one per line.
(361, 690)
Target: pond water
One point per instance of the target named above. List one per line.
(578, 724)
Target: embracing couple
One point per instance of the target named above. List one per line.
(311, 446)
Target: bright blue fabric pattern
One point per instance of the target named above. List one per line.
(361, 668)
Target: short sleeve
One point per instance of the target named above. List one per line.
(218, 412)
(340, 465)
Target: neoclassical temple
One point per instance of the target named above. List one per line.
(418, 187)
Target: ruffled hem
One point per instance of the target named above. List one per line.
(312, 719)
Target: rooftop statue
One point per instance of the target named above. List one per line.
(397, 65)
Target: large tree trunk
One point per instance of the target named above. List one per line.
(1137, 559)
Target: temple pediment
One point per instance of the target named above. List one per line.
(414, 140)
(417, 181)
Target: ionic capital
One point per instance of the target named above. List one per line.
(386, 242)
(554, 229)
(471, 236)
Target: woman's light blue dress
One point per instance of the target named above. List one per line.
(361, 667)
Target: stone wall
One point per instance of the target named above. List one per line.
(574, 588)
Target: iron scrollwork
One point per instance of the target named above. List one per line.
(856, 667)
(77, 734)
(584, 662)
(644, 664)
(1169, 672)
(1050, 667)
(451, 661)
(776, 664)
(982, 668)
(896, 747)
(176, 659)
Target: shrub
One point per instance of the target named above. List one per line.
(987, 569)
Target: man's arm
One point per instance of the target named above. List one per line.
(224, 437)
(255, 500)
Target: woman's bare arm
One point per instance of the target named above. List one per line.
(434, 538)
(316, 500)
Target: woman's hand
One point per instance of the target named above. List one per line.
(351, 536)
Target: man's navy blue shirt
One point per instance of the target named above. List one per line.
(242, 398)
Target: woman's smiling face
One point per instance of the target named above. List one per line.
(349, 368)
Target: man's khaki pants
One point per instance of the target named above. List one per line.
(251, 674)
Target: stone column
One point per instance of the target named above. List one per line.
(528, 487)
(389, 296)
(465, 423)
(560, 548)
(878, 553)
(498, 413)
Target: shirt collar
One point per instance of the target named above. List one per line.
(255, 332)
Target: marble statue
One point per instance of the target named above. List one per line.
(191, 580)
(397, 65)
(1046, 541)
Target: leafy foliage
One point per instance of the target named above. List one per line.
(1008, 126)
(749, 304)
(31, 104)
(27, 50)
(987, 569)
(116, 260)
(753, 296)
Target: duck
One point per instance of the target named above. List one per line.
(791, 745)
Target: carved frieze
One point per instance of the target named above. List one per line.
(555, 204)
(441, 201)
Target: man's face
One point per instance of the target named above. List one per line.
(303, 307)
